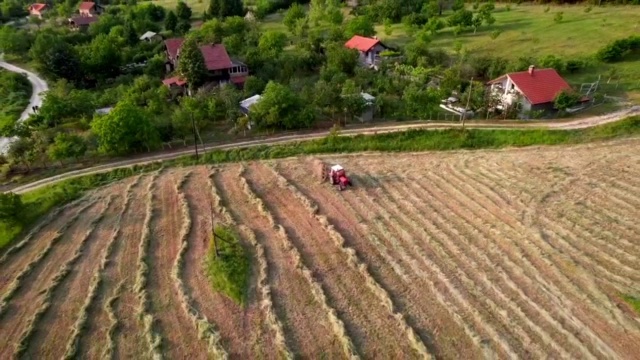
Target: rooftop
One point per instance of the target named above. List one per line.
(361, 43)
(215, 56)
(38, 7)
(86, 5)
(83, 20)
(539, 86)
(147, 35)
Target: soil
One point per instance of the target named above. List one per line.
(519, 253)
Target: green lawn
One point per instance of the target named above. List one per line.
(198, 6)
(526, 30)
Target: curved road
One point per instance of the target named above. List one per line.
(565, 125)
(38, 86)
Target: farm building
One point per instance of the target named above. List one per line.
(38, 9)
(81, 22)
(369, 49)
(89, 9)
(222, 69)
(535, 89)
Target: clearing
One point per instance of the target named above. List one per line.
(463, 254)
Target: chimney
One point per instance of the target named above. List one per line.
(532, 69)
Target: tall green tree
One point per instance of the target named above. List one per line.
(183, 11)
(191, 66)
(360, 25)
(55, 57)
(171, 21)
(272, 43)
(126, 129)
(102, 57)
(11, 207)
(14, 41)
(352, 102)
(293, 14)
(280, 108)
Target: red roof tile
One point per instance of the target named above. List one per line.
(38, 7)
(173, 45)
(87, 5)
(176, 80)
(540, 87)
(215, 57)
(361, 43)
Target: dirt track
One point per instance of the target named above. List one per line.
(499, 254)
(377, 129)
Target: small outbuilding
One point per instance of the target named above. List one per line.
(246, 104)
(150, 36)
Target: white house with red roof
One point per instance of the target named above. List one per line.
(535, 89)
(369, 48)
(89, 9)
(38, 9)
(222, 69)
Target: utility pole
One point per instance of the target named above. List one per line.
(195, 139)
(464, 114)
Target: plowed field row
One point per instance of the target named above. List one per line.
(524, 253)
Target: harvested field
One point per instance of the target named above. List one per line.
(519, 253)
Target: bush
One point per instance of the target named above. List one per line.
(618, 49)
(228, 268)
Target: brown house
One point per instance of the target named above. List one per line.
(81, 23)
(89, 9)
(38, 9)
(222, 69)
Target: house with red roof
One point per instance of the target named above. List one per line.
(222, 68)
(534, 89)
(38, 9)
(89, 9)
(369, 48)
(81, 23)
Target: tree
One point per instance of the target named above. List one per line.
(183, 11)
(566, 99)
(183, 27)
(352, 102)
(14, 41)
(462, 18)
(272, 43)
(127, 128)
(388, 27)
(102, 57)
(558, 17)
(55, 57)
(223, 8)
(281, 108)
(191, 66)
(11, 207)
(340, 59)
(192, 111)
(420, 102)
(171, 21)
(66, 146)
(360, 25)
(293, 14)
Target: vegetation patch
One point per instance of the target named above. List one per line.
(228, 264)
(633, 301)
(15, 91)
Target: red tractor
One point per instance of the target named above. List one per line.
(338, 177)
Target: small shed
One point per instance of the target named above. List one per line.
(150, 36)
(246, 104)
(369, 112)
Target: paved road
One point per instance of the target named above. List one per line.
(565, 125)
(38, 86)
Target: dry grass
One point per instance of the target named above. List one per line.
(316, 289)
(47, 293)
(206, 330)
(154, 340)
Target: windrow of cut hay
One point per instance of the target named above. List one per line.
(476, 221)
(154, 340)
(494, 300)
(113, 322)
(206, 330)
(339, 240)
(36, 230)
(336, 323)
(263, 284)
(96, 280)
(25, 337)
(17, 282)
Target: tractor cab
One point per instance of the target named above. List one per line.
(338, 177)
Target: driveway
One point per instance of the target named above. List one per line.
(38, 86)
